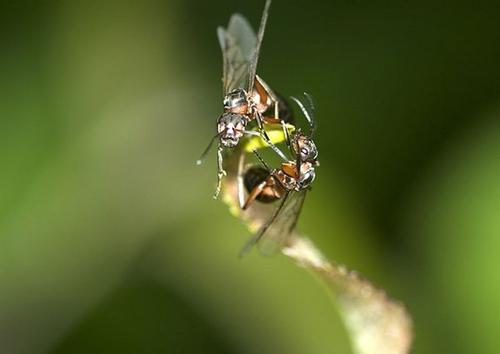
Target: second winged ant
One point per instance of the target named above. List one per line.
(247, 97)
(289, 183)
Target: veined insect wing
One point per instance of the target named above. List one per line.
(237, 43)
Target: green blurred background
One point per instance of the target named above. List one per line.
(110, 241)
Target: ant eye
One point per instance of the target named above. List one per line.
(304, 151)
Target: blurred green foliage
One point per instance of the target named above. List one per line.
(110, 240)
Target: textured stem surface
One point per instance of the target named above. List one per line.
(376, 324)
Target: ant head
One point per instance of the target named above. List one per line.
(304, 147)
(231, 128)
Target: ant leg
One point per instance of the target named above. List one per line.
(252, 133)
(254, 194)
(257, 189)
(221, 172)
(262, 86)
(268, 142)
(241, 187)
(261, 160)
(266, 138)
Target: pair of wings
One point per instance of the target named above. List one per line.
(240, 51)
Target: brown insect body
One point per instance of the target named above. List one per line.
(266, 187)
(258, 102)
(289, 184)
(271, 190)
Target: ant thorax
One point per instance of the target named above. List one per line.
(236, 101)
(287, 181)
(231, 128)
(291, 180)
(241, 102)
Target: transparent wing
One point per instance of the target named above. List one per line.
(237, 43)
(260, 37)
(272, 236)
(281, 226)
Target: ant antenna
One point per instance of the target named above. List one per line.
(308, 113)
(207, 149)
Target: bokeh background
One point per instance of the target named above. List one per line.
(110, 241)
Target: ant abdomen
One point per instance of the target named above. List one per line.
(255, 176)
